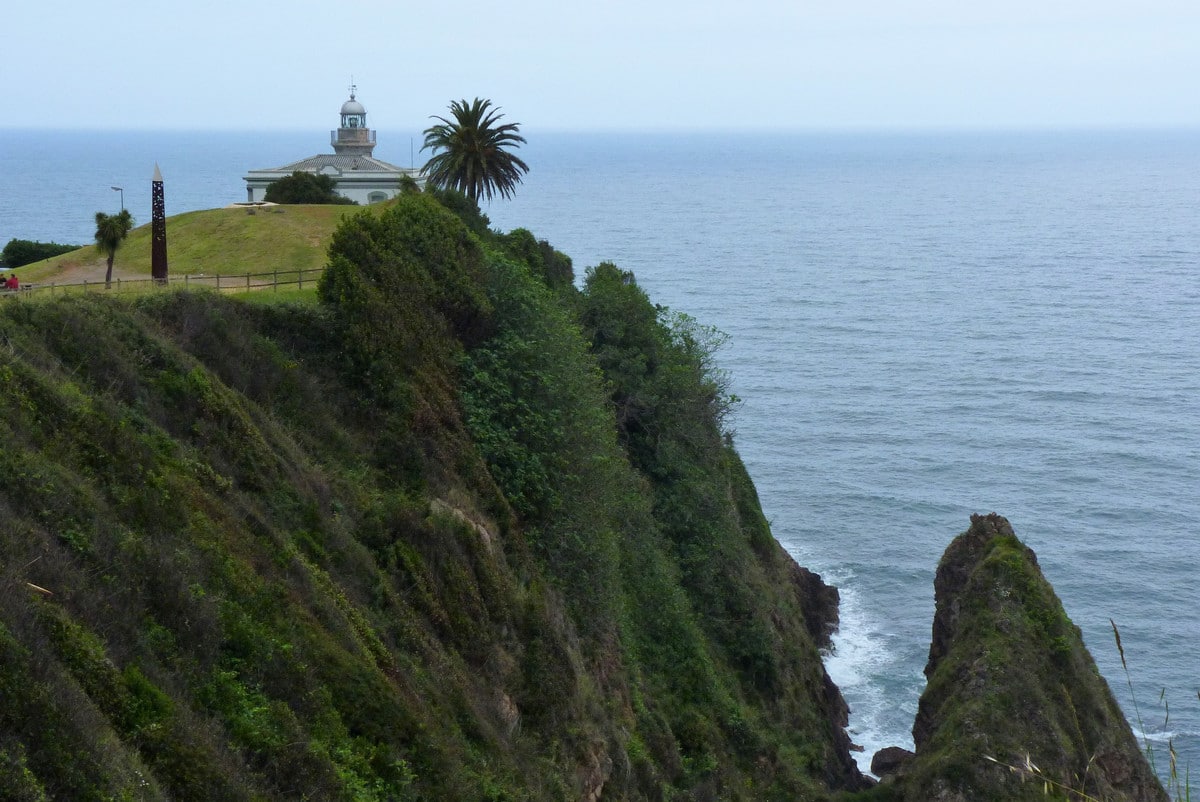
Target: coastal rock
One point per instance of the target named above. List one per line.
(890, 760)
(819, 602)
(1014, 703)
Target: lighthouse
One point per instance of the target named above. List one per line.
(353, 136)
(356, 173)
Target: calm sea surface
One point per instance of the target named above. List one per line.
(922, 327)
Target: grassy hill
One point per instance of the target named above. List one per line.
(224, 241)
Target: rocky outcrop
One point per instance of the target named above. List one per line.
(890, 760)
(1014, 705)
(819, 602)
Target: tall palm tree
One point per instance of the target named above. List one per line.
(471, 153)
(110, 233)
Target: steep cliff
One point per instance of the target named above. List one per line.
(1014, 708)
(456, 531)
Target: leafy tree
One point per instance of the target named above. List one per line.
(21, 252)
(464, 208)
(302, 187)
(471, 152)
(111, 230)
(662, 365)
(407, 285)
(552, 266)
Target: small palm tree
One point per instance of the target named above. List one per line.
(110, 233)
(471, 154)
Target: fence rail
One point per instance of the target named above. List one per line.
(239, 282)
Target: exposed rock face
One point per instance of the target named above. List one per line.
(890, 760)
(820, 603)
(1014, 699)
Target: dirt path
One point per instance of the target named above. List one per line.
(77, 272)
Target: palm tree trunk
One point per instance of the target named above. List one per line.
(108, 273)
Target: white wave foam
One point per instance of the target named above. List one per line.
(1160, 737)
(860, 660)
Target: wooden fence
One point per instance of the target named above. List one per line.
(248, 282)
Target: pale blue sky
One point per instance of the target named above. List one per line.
(640, 64)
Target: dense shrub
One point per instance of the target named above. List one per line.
(304, 187)
(464, 208)
(551, 266)
(20, 252)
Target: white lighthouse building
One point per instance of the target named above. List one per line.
(356, 173)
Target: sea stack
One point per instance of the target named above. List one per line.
(1015, 705)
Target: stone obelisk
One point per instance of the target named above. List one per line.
(158, 230)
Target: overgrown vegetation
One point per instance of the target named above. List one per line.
(443, 535)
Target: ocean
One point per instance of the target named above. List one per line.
(922, 326)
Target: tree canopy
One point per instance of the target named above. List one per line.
(111, 230)
(21, 252)
(471, 151)
(302, 187)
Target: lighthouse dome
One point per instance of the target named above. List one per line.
(353, 137)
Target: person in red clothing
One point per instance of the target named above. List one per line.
(13, 283)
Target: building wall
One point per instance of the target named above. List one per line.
(362, 193)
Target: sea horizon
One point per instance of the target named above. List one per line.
(203, 168)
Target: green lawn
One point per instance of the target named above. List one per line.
(293, 295)
(214, 241)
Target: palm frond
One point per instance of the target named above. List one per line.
(470, 152)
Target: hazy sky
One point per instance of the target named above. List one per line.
(639, 64)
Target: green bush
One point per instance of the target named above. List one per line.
(406, 288)
(463, 207)
(305, 187)
(533, 402)
(551, 266)
(21, 252)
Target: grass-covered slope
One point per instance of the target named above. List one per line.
(227, 241)
(458, 531)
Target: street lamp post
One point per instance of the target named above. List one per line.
(122, 191)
